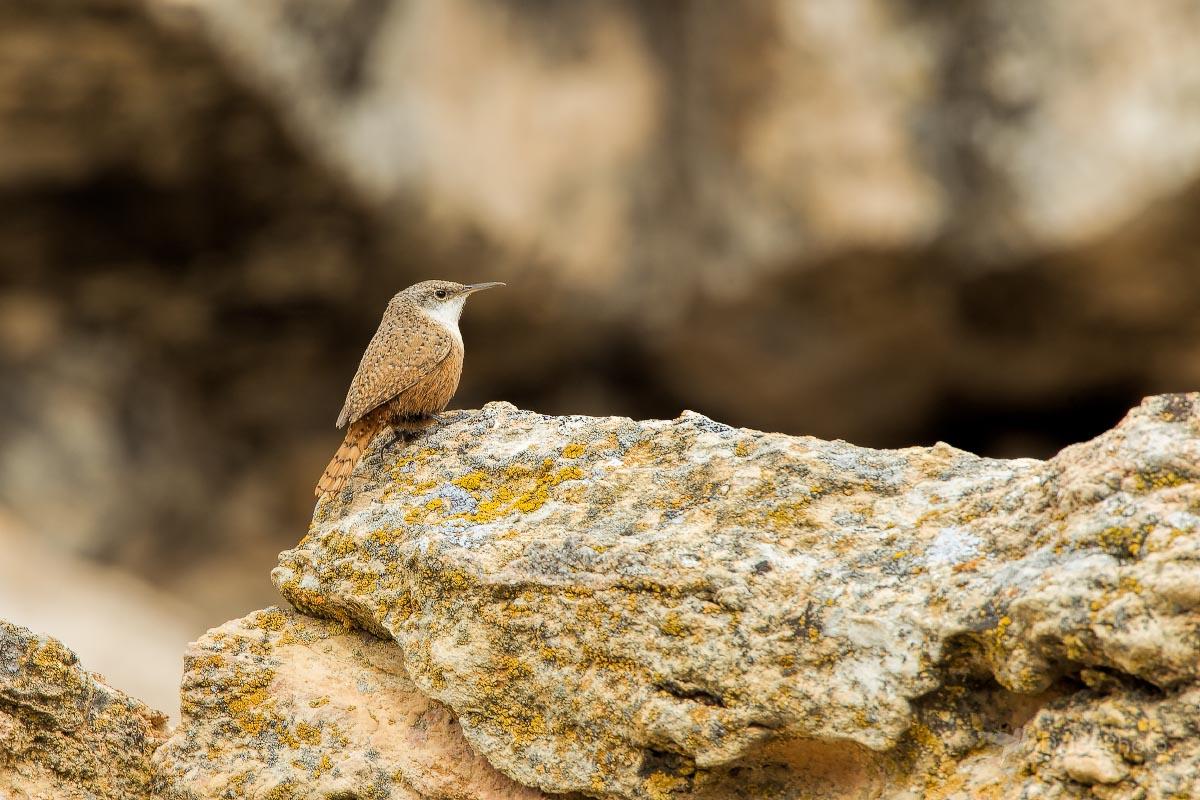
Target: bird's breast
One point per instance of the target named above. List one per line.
(447, 317)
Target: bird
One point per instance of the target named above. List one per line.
(407, 375)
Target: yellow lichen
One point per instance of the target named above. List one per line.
(471, 481)
(363, 582)
(1074, 647)
(212, 661)
(54, 659)
(573, 450)
(1157, 479)
(323, 766)
(1001, 630)
(270, 620)
(661, 785)
(284, 791)
(309, 734)
(517, 489)
(672, 625)
(926, 739)
(1121, 540)
(249, 704)
(789, 516)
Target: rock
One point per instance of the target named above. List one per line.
(64, 733)
(646, 609)
(1089, 763)
(276, 705)
(679, 609)
(1123, 741)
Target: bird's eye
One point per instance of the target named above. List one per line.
(440, 294)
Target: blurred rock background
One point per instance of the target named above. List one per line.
(888, 222)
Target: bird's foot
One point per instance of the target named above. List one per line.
(406, 429)
(399, 435)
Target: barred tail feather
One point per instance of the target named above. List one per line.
(358, 436)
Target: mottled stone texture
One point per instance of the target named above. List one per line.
(284, 706)
(638, 609)
(679, 609)
(64, 733)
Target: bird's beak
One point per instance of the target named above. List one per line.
(478, 287)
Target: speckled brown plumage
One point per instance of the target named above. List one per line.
(408, 373)
(409, 346)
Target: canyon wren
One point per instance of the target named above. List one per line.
(407, 375)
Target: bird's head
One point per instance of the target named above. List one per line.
(443, 299)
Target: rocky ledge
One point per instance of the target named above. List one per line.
(64, 733)
(516, 604)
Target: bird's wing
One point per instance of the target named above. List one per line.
(399, 356)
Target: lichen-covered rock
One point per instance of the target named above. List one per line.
(634, 609)
(1115, 740)
(64, 733)
(281, 706)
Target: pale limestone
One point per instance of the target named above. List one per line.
(634, 609)
(277, 705)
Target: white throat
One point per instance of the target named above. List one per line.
(446, 314)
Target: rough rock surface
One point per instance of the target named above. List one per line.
(277, 705)
(1118, 739)
(64, 733)
(639, 609)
